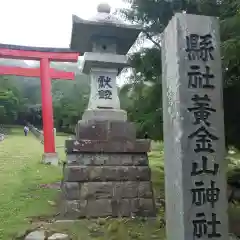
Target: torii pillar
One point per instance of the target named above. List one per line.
(45, 56)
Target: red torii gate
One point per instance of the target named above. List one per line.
(44, 55)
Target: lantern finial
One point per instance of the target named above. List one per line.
(104, 8)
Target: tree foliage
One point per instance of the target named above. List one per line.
(20, 98)
(70, 100)
(154, 15)
(20, 101)
(10, 100)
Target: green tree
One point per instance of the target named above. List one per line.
(69, 101)
(9, 101)
(20, 100)
(154, 15)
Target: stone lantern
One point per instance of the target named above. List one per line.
(104, 41)
(106, 172)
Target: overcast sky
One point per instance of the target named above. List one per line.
(45, 23)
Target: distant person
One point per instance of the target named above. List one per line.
(146, 135)
(26, 130)
(1, 137)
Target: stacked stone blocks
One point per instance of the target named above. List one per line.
(107, 172)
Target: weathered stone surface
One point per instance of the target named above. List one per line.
(92, 130)
(36, 235)
(123, 208)
(107, 159)
(121, 131)
(116, 146)
(110, 207)
(105, 114)
(73, 209)
(103, 159)
(89, 183)
(106, 173)
(191, 140)
(76, 174)
(96, 190)
(50, 158)
(95, 101)
(105, 130)
(136, 206)
(125, 190)
(59, 236)
(100, 190)
(99, 208)
(71, 190)
(145, 190)
(122, 159)
(146, 207)
(139, 159)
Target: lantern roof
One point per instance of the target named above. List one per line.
(103, 25)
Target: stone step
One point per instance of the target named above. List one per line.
(106, 173)
(101, 190)
(107, 207)
(114, 159)
(105, 130)
(107, 146)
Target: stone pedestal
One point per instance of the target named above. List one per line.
(107, 172)
(50, 158)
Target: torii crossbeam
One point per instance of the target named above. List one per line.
(45, 56)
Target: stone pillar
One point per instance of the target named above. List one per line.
(196, 204)
(104, 101)
(104, 93)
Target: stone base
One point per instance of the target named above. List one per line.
(96, 208)
(105, 130)
(105, 114)
(107, 184)
(50, 158)
(106, 172)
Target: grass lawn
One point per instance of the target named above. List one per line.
(20, 176)
(23, 199)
